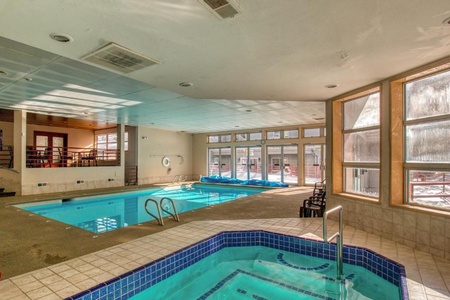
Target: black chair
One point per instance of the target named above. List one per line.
(91, 157)
(46, 158)
(314, 206)
(64, 157)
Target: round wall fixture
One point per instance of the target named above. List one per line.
(165, 161)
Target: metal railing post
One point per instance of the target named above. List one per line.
(339, 239)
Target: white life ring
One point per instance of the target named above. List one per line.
(166, 161)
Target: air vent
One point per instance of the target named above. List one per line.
(222, 9)
(119, 59)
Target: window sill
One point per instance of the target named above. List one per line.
(357, 197)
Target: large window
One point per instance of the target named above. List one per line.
(106, 145)
(426, 132)
(357, 143)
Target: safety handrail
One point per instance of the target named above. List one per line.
(339, 239)
(159, 218)
(175, 214)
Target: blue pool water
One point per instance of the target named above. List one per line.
(266, 266)
(108, 212)
(266, 273)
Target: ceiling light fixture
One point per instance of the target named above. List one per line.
(446, 21)
(62, 38)
(331, 86)
(186, 84)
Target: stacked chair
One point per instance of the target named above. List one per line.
(315, 205)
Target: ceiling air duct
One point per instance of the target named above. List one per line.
(119, 58)
(222, 9)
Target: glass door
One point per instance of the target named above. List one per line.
(248, 163)
(314, 163)
(282, 164)
(219, 161)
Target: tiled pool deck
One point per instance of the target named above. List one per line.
(428, 276)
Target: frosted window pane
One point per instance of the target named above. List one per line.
(225, 138)
(241, 137)
(273, 135)
(213, 139)
(101, 138)
(41, 141)
(362, 181)
(311, 132)
(362, 146)
(112, 137)
(291, 134)
(427, 142)
(428, 97)
(429, 188)
(362, 112)
(256, 136)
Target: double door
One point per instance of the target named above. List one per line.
(248, 162)
(282, 163)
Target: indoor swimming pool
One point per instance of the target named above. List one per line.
(258, 265)
(112, 211)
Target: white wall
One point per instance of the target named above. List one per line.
(153, 145)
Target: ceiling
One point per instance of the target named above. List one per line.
(266, 67)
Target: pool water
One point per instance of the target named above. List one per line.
(269, 274)
(109, 212)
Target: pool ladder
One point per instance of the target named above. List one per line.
(339, 239)
(159, 208)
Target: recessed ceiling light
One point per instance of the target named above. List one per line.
(331, 86)
(446, 21)
(62, 38)
(186, 84)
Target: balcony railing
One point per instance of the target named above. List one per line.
(62, 157)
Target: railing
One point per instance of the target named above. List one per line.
(339, 238)
(54, 157)
(6, 157)
(131, 175)
(441, 193)
(160, 207)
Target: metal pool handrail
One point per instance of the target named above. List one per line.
(175, 214)
(159, 218)
(339, 238)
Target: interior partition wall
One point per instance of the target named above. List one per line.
(282, 163)
(248, 162)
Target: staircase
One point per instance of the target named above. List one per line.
(6, 194)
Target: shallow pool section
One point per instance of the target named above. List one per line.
(112, 211)
(269, 266)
